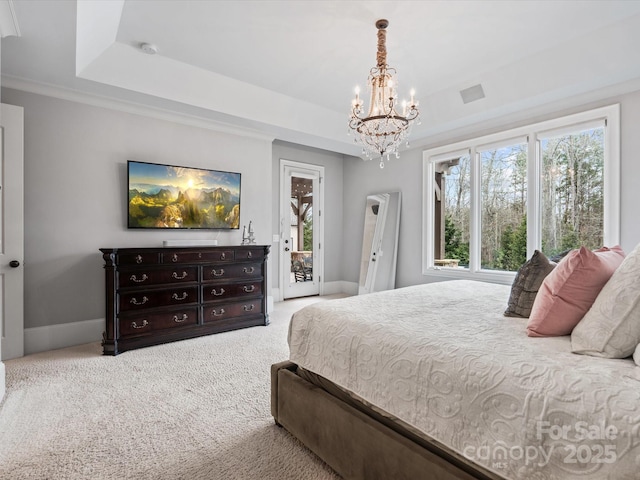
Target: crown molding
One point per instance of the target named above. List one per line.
(62, 93)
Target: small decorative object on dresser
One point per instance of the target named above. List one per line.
(159, 295)
(251, 238)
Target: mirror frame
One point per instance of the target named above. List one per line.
(380, 242)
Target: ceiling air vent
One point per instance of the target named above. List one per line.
(472, 94)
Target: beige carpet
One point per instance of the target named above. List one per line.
(195, 409)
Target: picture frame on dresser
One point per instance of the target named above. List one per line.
(163, 294)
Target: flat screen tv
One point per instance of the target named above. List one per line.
(173, 197)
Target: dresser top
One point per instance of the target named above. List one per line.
(194, 248)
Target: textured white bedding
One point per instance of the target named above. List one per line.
(444, 359)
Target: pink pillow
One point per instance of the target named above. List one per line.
(567, 293)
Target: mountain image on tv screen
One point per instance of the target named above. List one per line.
(166, 196)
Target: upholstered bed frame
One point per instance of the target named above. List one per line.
(354, 440)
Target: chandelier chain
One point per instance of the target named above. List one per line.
(382, 48)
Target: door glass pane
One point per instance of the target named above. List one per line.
(452, 214)
(503, 207)
(301, 229)
(572, 210)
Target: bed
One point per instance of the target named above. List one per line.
(433, 382)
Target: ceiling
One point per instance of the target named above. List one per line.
(287, 69)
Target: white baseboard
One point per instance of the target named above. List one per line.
(328, 288)
(52, 337)
(275, 294)
(270, 304)
(350, 288)
(2, 381)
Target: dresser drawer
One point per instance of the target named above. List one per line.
(140, 324)
(220, 312)
(239, 270)
(227, 255)
(150, 276)
(216, 292)
(142, 299)
(138, 258)
(250, 254)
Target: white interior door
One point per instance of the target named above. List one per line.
(11, 232)
(301, 229)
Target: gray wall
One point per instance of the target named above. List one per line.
(333, 203)
(405, 175)
(75, 194)
(366, 178)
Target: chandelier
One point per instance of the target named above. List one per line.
(382, 130)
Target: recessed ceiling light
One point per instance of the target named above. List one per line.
(149, 48)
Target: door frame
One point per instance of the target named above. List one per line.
(12, 247)
(287, 168)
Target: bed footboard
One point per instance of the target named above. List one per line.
(354, 444)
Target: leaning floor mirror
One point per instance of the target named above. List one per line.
(380, 243)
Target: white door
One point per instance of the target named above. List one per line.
(11, 232)
(301, 229)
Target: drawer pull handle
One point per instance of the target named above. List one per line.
(144, 324)
(217, 273)
(216, 293)
(175, 275)
(223, 256)
(174, 258)
(180, 319)
(134, 278)
(136, 302)
(182, 297)
(248, 308)
(138, 258)
(249, 255)
(217, 313)
(248, 270)
(249, 289)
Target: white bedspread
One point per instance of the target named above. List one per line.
(444, 359)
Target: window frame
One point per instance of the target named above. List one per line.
(609, 116)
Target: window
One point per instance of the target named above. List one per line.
(503, 206)
(572, 208)
(491, 201)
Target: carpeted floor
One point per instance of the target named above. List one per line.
(195, 409)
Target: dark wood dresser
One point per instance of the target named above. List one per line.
(159, 295)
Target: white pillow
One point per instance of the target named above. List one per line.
(611, 328)
(636, 355)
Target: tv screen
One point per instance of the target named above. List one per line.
(169, 196)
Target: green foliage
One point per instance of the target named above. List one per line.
(513, 247)
(308, 234)
(454, 247)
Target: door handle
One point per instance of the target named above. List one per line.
(286, 249)
(14, 263)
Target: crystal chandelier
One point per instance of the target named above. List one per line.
(382, 129)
